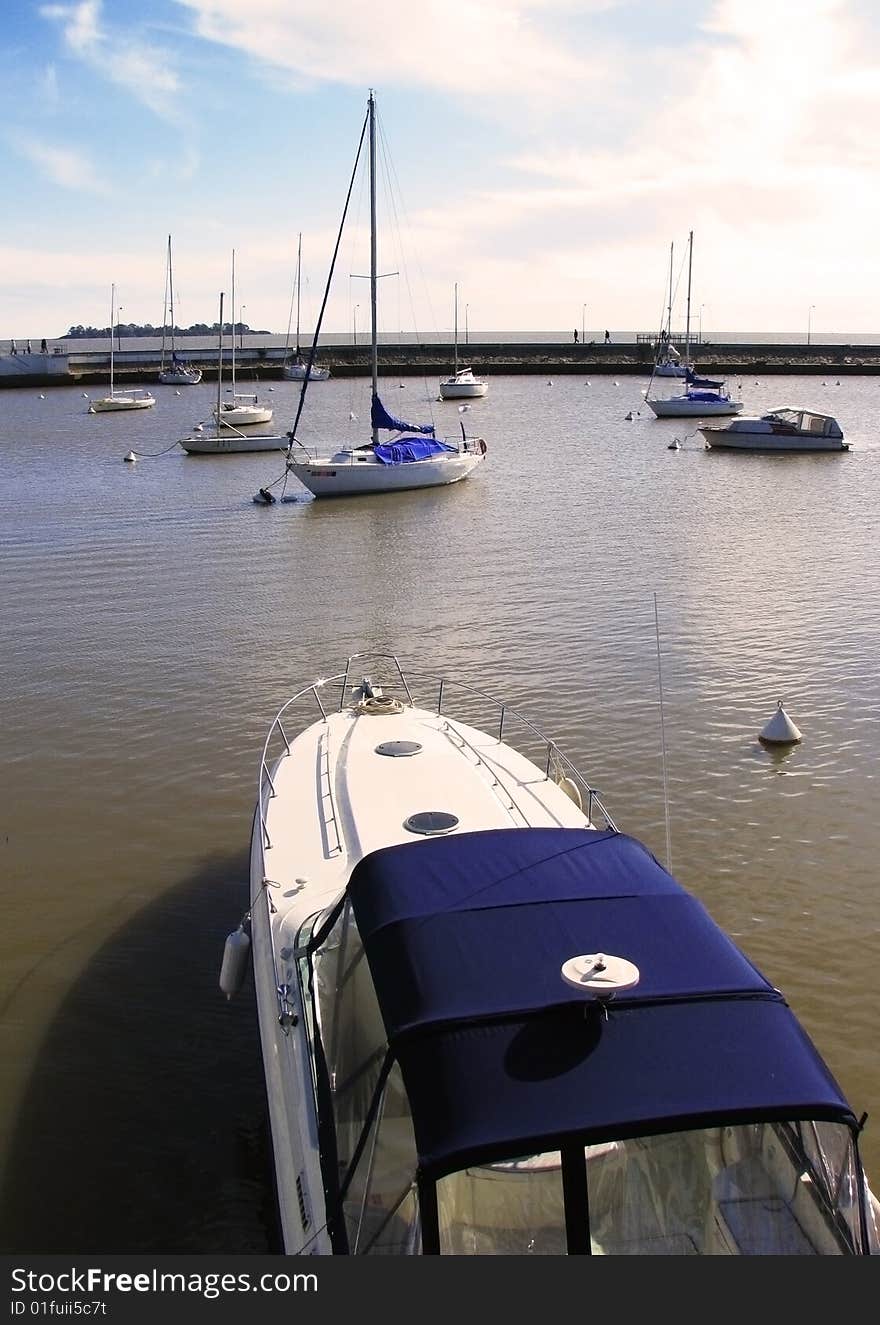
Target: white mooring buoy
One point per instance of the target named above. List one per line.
(130, 458)
(780, 730)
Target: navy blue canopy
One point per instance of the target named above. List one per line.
(465, 937)
(380, 418)
(404, 449)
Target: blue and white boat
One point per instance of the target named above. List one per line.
(413, 457)
(494, 1024)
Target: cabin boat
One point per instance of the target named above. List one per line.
(783, 429)
(494, 1024)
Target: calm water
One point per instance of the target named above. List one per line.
(154, 619)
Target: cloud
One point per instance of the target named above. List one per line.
(481, 49)
(67, 166)
(127, 60)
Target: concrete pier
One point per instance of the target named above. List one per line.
(139, 366)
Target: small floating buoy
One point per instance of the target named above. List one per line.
(271, 388)
(780, 730)
(353, 416)
(91, 410)
(462, 408)
(177, 393)
(674, 445)
(824, 383)
(837, 383)
(42, 397)
(199, 427)
(236, 954)
(629, 417)
(130, 458)
(549, 382)
(588, 384)
(264, 497)
(617, 384)
(85, 395)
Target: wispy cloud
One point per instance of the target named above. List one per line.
(129, 61)
(67, 166)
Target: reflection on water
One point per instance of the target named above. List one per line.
(155, 619)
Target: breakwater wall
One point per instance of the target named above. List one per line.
(264, 362)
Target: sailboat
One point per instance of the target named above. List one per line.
(413, 457)
(462, 385)
(668, 361)
(242, 409)
(226, 438)
(177, 372)
(137, 397)
(294, 370)
(702, 396)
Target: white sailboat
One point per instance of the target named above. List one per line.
(413, 457)
(702, 396)
(225, 438)
(295, 370)
(136, 397)
(177, 372)
(242, 409)
(462, 385)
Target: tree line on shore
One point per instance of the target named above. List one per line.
(80, 332)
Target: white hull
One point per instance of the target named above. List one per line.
(719, 439)
(350, 473)
(296, 372)
(452, 390)
(242, 416)
(108, 404)
(669, 370)
(180, 376)
(679, 407)
(230, 443)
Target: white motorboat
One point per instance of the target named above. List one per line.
(463, 384)
(492, 1023)
(222, 437)
(242, 409)
(413, 457)
(702, 397)
(784, 429)
(134, 398)
(176, 371)
(295, 367)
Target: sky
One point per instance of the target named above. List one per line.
(545, 156)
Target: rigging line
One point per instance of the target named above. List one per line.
(314, 345)
(662, 737)
(153, 455)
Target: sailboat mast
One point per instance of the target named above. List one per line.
(112, 318)
(171, 296)
(298, 279)
(165, 307)
(669, 311)
(374, 340)
(455, 333)
(687, 325)
(233, 325)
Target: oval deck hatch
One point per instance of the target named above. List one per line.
(429, 822)
(398, 749)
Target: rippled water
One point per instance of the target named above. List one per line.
(155, 619)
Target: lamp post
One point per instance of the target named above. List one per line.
(583, 324)
(356, 307)
(810, 321)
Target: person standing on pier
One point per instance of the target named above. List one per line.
(607, 337)
(12, 347)
(575, 335)
(44, 349)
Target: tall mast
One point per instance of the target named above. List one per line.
(455, 333)
(298, 279)
(374, 341)
(165, 307)
(687, 325)
(233, 325)
(171, 296)
(112, 317)
(669, 312)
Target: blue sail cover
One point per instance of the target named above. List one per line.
(380, 418)
(465, 937)
(694, 380)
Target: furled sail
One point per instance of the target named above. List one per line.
(380, 418)
(694, 380)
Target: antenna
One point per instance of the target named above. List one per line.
(662, 736)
